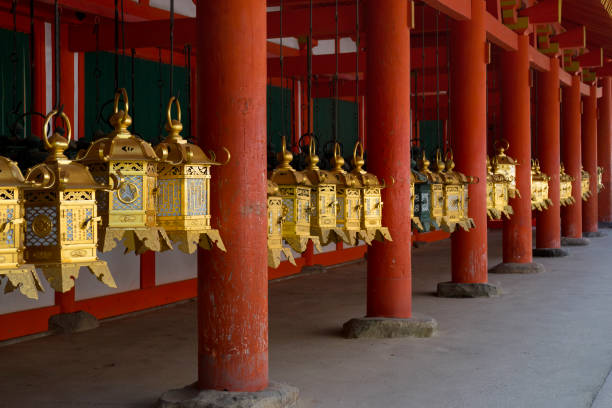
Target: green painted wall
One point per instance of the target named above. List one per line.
(432, 136)
(277, 127)
(14, 79)
(347, 124)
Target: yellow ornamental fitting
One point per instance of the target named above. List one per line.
(600, 185)
(505, 165)
(277, 213)
(183, 188)
(585, 184)
(130, 212)
(565, 186)
(456, 194)
(61, 215)
(437, 190)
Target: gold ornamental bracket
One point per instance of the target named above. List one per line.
(585, 184)
(183, 188)
(129, 213)
(565, 184)
(277, 214)
(600, 185)
(61, 219)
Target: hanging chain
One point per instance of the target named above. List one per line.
(133, 92)
(58, 64)
(171, 47)
(282, 84)
(336, 94)
(422, 68)
(438, 136)
(97, 71)
(448, 78)
(32, 61)
(188, 86)
(357, 66)
(116, 44)
(13, 56)
(309, 59)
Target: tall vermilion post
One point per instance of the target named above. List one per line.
(516, 129)
(589, 160)
(604, 150)
(233, 286)
(469, 139)
(388, 121)
(548, 223)
(571, 225)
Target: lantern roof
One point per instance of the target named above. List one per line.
(423, 166)
(365, 179)
(10, 175)
(501, 146)
(284, 174)
(339, 176)
(315, 175)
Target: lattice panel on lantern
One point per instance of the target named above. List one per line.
(7, 194)
(197, 199)
(340, 208)
(7, 238)
(75, 218)
(169, 198)
(129, 196)
(288, 203)
(127, 166)
(78, 195)
(41, 226)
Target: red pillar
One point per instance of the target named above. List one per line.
(469, 140)
(604, 149)
(388, 117)
(548, 231)
(589, 159)
(516, 128)
(572, 157)
(233, 286)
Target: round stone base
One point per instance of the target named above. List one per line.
(518, 268)
(594, 234)
(73, 322)
(277, 395)
(381, 327)
(567, 241)
(549, 252)
(467, 290)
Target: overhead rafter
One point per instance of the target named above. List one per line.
(574, 38)
(544, 12)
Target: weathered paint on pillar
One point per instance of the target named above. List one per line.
(604, 149)
(469, 140)
(516, 128)
(233, 286)
(388, 122)
(571, 216)
(589, 159)
(548, 223)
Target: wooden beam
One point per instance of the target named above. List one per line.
(499, 34)
(592, 59)
(565, 78)
(575, 38)
(456, 9)
(604, 71)
(544, 12)
(537, 60)
(585, 89)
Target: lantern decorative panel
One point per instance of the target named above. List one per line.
(348, 198)
(505, 165)
(539, 188)
(130, 212)
(183, 189)
(565, 184)
(498, 191)
(435, 205)
(420, 200)
(276, 217)
(61, 216)
(600, 185)
(585, 184)
(294, 187)
(19, 275)
(371, 201)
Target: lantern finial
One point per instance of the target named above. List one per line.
(120, 119)
(313, 159)
(57, 144)
(338, 160)
(174, 127)
(285, 156)
(358, 160)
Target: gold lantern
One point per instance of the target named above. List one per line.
(371, 201)
(415, 178)
(585, 184)
(276, 217)
(12, 231)
(436, 181)
(294, 187)
(129, 212)
(506, 166)
(348, 198)
(61, 216)
(498, 191)
(600, 185)
(539, 188)
(183, 189)
(565, 187)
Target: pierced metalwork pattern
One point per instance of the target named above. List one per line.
(41, 196)
(129, 197)
(10, 232)
(169, 198)
(288, 203)
(78, 195)
(340, 212)
(69, 225)
(7, 194)
(89, 230)
(41, 226)
(197, 199)
(101, 196)
(197, 170)
(127, 166)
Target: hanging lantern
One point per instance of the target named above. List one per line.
(600, 185)
(130, 212)
(434, 208)
(12, 231)
(585, 184)
(498, 187)
(277, 214)
(539, 188)
(565, 187)
(183, 189)
(371, 201)
(348, 197)
(506, 166)
(294, 188)
(420, 192)
(61, 216)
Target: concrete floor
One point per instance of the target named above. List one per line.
(545, 343)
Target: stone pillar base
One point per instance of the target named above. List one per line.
(549, 252)
(467, 290)
(383, 327)
(605, 224)
(567, 241)
(518, 268)
(73, 322)
(277, 395)
(594, 234)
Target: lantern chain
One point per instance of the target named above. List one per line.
(58, 64)
(423, 66)
(13, 57)
(449, 126)
(438, 136)
(32, 60)
(309, 63)
(188, 86)
(282, 84)
(336, 95)
(116, 44)
(171, 47)
(357, 38)
(133, 83)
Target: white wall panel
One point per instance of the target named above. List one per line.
(174, 266)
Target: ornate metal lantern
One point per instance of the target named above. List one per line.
(129, 212)
(435, 205)
(565, 184)
(600, 185)
(506, 166)
(585, 184)
(539, 188)
(12, 231)
(276, 218)
(183, 189)
(61, 216)
(294, 188)
(420, 193)
(371, 201)
(498, 188)
(348, 197)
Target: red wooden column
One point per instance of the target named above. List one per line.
(548, 230)
(589, 161)
(516, 129)
(233, 286)
(469, 142)
(571, 216)
(604, 150)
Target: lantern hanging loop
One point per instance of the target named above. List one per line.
(126, 120)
